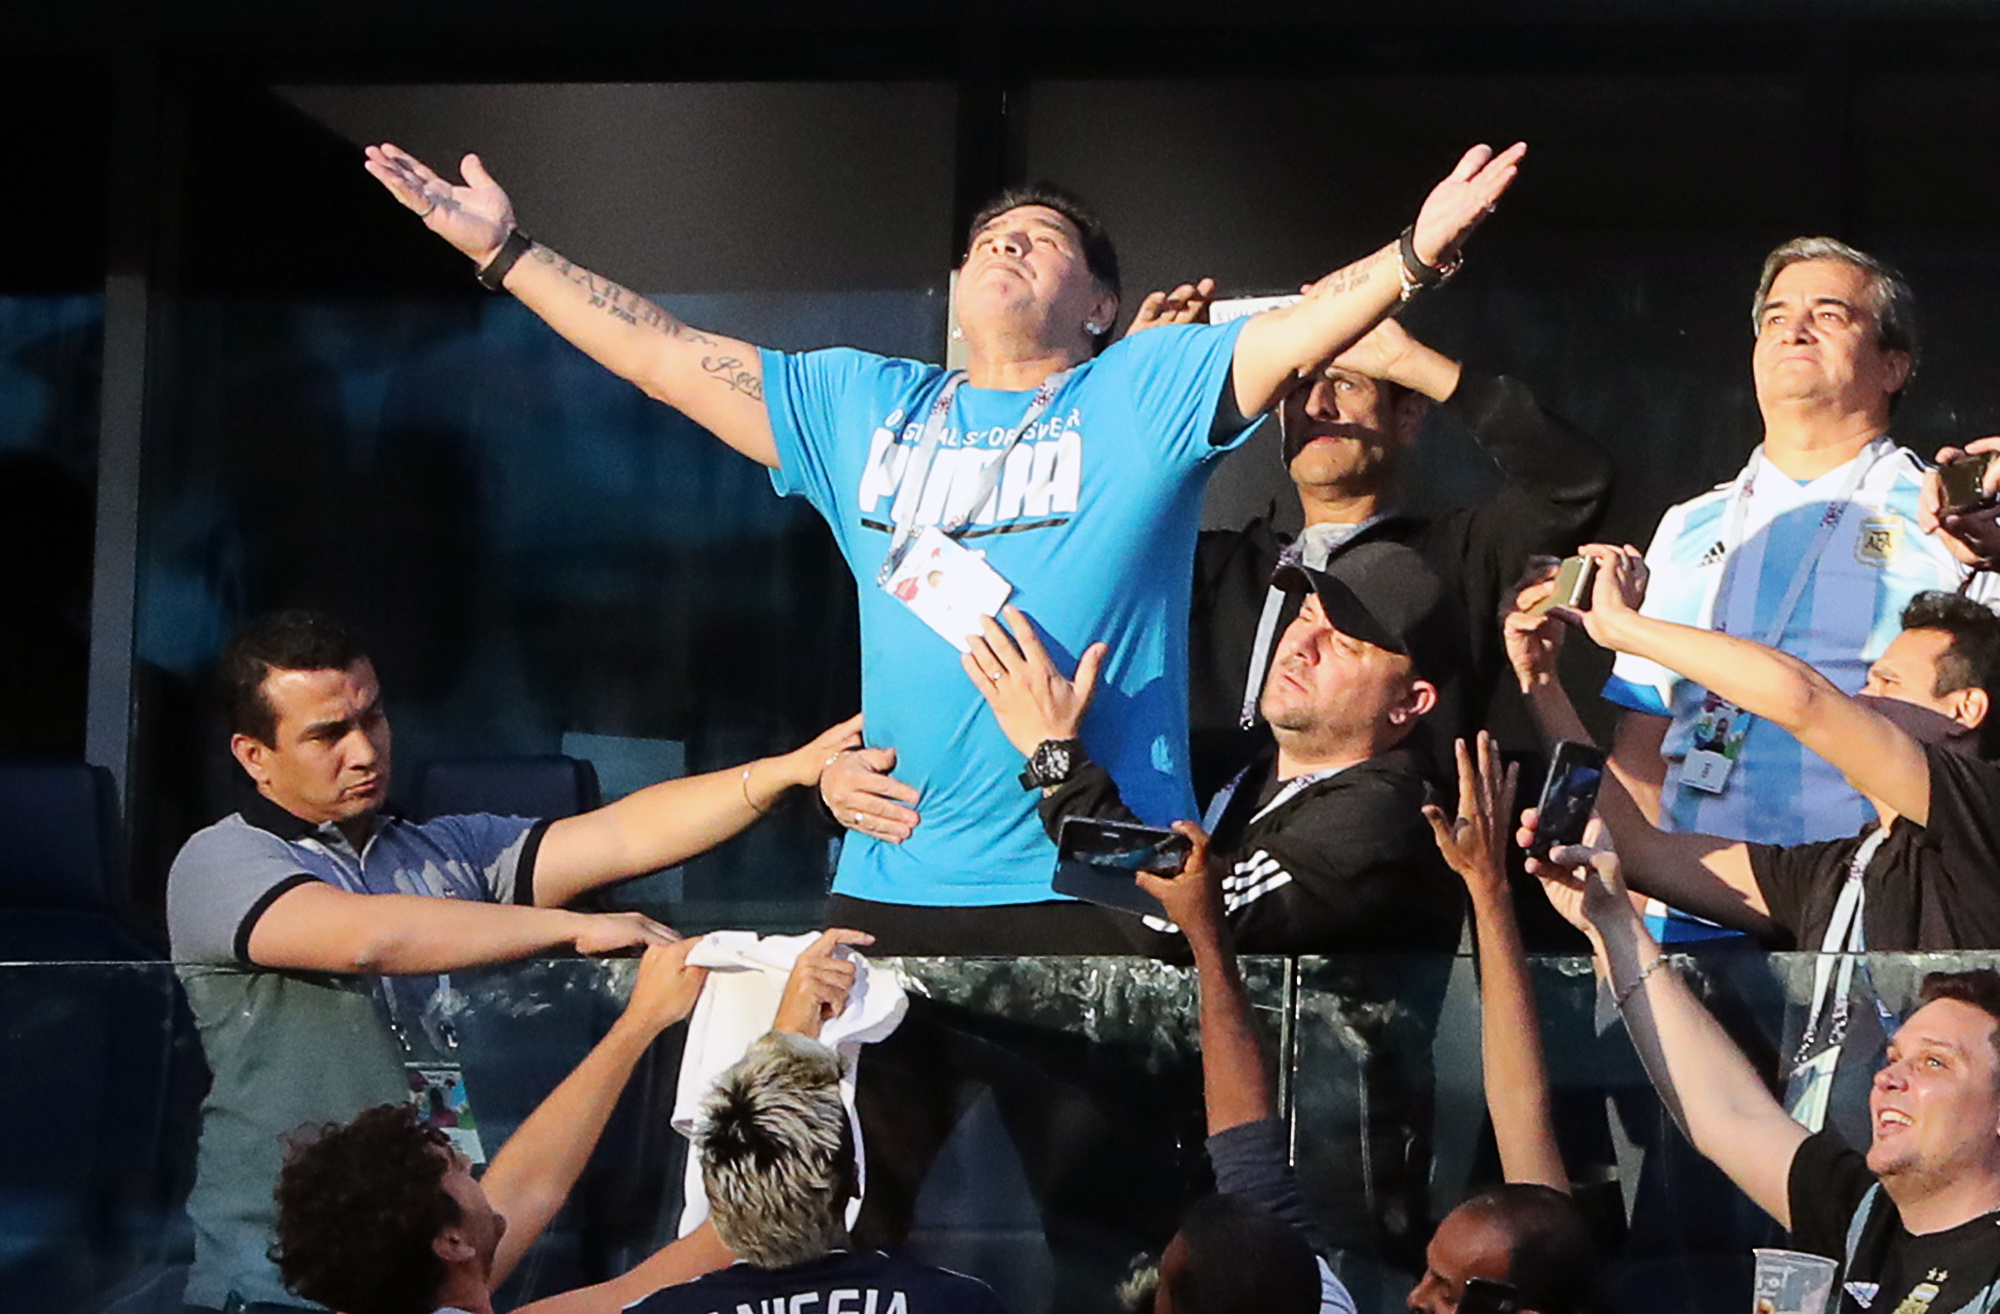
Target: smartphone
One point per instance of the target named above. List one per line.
(1962, 483)
(1485, 1296)
(1574, 578)
(1096, 861)
(1568, 796)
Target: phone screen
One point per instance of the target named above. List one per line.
(1096, 860)
(1568, 796)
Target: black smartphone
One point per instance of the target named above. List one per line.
(1096, 860)
(1568, 795)
(1485, 1296)
(1962, 483)
(1574, 578)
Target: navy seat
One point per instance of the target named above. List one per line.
(59, 866)
(549, 785)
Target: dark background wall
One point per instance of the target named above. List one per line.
(276, 389)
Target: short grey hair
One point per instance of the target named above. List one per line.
(776, 1154)
(1892, 302)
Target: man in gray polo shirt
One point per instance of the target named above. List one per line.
(284, 914)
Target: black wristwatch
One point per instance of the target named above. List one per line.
(1051, 763)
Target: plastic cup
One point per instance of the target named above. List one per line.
(1791, 1282)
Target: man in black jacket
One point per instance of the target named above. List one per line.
(1345, 435)
(1327, 850)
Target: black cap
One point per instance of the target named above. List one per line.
(1384, 594)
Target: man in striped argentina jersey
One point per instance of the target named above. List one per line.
(1814, 548)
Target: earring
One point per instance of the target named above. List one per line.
(957, 333)
(1092, 327)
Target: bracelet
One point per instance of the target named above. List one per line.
(1621, 997)
(494, 273)
(762, 812)
(1414, 275)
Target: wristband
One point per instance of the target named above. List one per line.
(1415, 275)
(1621, 997)
(494, 273)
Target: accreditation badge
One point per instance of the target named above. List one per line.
(1716, 745)
(437, 1089)
(948, 586)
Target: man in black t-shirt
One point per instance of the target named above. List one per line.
(1909, 742)
(777, 1160)
(1916, 1221)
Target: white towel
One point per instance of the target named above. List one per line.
(746, 978)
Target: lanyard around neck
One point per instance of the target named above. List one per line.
(1829, 524)
(904, 527)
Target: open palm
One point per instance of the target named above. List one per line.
(474, 217)
(1457, 205)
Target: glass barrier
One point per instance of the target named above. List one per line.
(1037, 1122)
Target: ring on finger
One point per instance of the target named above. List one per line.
(858, 819)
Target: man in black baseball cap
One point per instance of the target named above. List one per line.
(1325, 846)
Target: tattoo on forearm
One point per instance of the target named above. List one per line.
(1357, 275)
(740, 377)
(619, 302)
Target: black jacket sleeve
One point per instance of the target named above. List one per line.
(1089, 792)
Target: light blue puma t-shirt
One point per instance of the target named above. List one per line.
(1093, 522)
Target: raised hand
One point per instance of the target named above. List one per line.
(1615, 595)
(1379, 352)
(1186, 304)
(1193, 895)
(1972, 536)
(1474, 843)
(1462, 201)
(858, 789)
(475, 217)
(822, 978)
(1533, 638)
(1582, 881)
(1030, 698)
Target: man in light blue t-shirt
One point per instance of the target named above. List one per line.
(1075, 471)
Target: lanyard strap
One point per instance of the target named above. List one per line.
(904, 528)
(1299, 552)
(1846, 937)
(1829, 524)
(1293, 788)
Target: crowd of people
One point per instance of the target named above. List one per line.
(1806, 664)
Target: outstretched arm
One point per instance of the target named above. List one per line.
(1510, 1037)
(715, 381)
(316, 927)
(1282, 345)
(1877, 757)
(532, 1174)
(1704, 1080)
(674, 820)
(1701, 874)
(1235, 1085)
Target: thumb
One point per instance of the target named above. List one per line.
(1440, 827)
(474, 172)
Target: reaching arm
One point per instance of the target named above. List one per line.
(1515, 1077)
(532, 1174)
(316, 927)
(1701, 874)
(674, 820)
(1282, 345)
(715, 381)
(1235, 1084)
(1704, 1080)
(1878, 758)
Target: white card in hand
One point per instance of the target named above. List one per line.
(948, 586)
